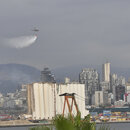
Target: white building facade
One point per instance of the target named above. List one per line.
(101, 98)
(44, 101)
(106, 72)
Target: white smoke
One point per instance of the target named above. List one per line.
(20, 42)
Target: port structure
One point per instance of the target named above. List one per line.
(68, 96)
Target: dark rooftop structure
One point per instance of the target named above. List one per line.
(47, 76)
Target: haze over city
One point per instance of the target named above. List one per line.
(71, 32)
(64, 60)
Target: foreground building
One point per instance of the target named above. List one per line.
(44, 101)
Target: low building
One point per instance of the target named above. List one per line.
(120, 103)
(127, 87)
(127, 97)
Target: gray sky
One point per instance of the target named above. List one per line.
(72, 32)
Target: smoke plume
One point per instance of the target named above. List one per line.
(20, 42)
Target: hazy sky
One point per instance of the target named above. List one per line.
(72, 32)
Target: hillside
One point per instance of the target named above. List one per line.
(13, 75)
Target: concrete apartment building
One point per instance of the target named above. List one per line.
(116, 81)
(101, 98)
(44, 101)
(128, 87)
(120, 91)
(90, 78)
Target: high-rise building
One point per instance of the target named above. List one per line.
(106, 72)
(116, 81)
(90, 78)
(120, 91)
(46, 76)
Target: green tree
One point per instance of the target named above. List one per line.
(70, 123)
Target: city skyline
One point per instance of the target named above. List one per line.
(71, 32)
(64, 63)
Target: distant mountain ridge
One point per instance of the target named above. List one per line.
(13, 75)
